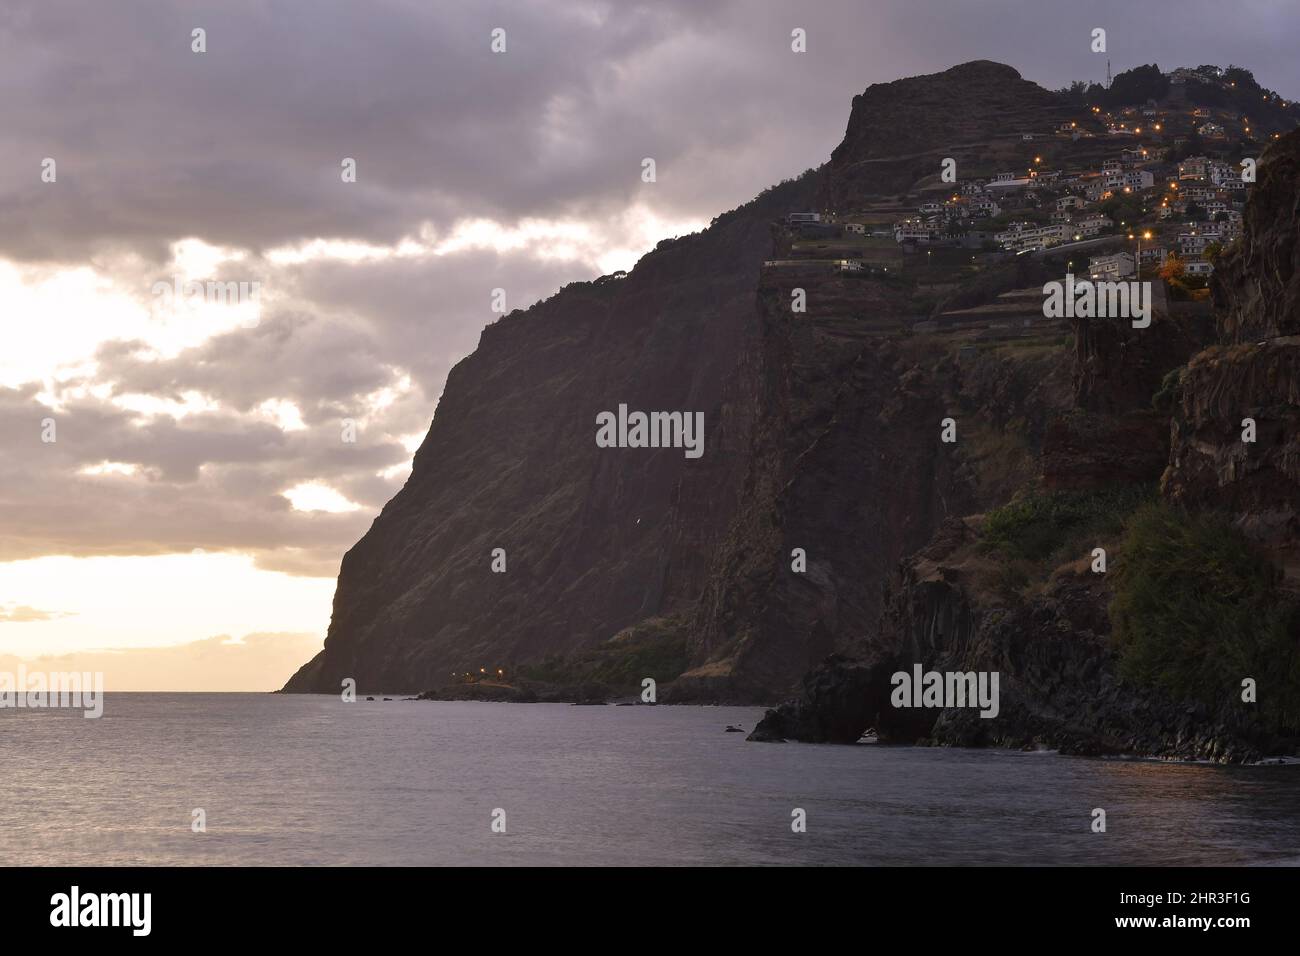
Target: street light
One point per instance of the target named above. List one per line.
(1137, 263)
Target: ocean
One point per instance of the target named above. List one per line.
(295, 780)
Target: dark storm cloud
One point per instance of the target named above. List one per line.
(242, 144)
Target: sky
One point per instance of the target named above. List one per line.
(180, 474)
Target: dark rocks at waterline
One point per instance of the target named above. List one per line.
(842, 699)
(1059, 687)
(524, 693)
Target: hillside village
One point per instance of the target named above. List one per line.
(1147, 190)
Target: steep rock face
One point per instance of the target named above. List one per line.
(595, 539)
(1085, 450)
(1254, 373)
(1210, 465)
(1118, 368)
(1113, 434)
(820, 434)
(1256, 283)
(847, 466)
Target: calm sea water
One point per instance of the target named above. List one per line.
(311, 780)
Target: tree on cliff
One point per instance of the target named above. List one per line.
(1136, 86)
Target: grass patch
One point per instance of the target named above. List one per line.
(1196, 609)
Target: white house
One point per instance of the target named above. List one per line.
(1093, 224)
(1194, 243)
(1138, 179)
(999, 183)
(1116, 266)
(914, 231)
(1153, 255)
(1037, 237)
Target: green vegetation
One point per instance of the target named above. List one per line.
(1197, 609)
(655, 648)
(1130, 88)
(1039, 526)
(1123, 209)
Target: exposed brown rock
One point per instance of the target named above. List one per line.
(899, 132)
(1256, 283)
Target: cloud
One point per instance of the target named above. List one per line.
(21, 614)
(158, 452)
(242, 144)
(257, 662)
(476, 171)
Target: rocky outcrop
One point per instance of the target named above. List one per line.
(1252, 374)
(947, 608)
(841, 699)
(1256, 283)
(595, 539)
(1086, 450)
(1117, 428)
(1211, 465)
(900, 132)
(1118, 368)
(1058, 687)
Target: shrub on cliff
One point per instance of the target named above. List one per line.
(1167, 394)
(1037, 526)
(1196, 609)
